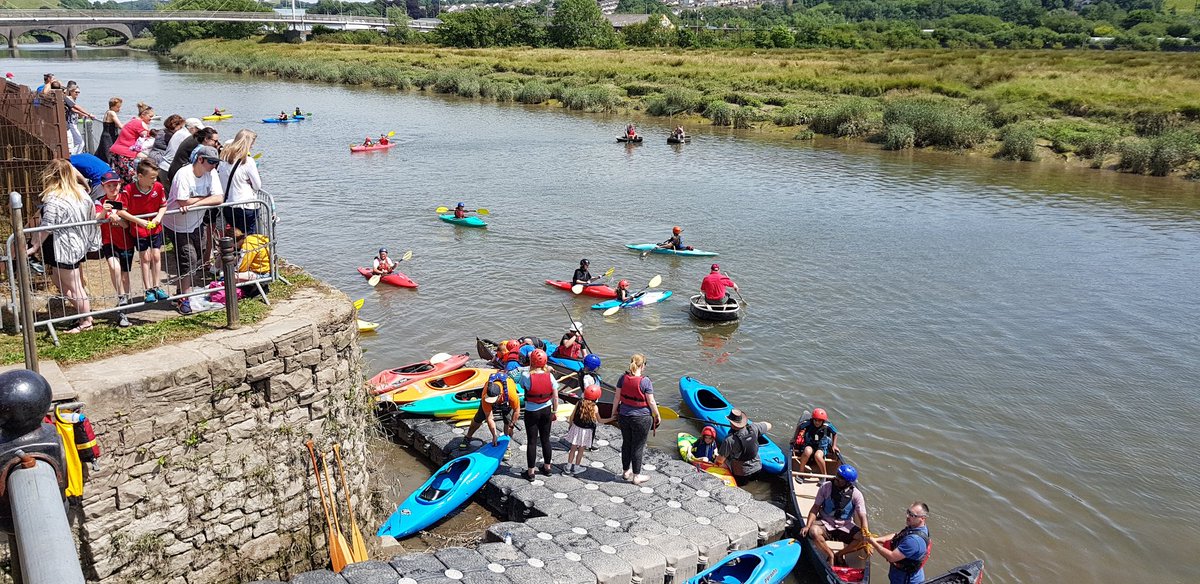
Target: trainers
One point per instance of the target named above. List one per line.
(150, 297)
(570, 470)
(183, 307)
(122, 300)
(161, 294)
(122, 320)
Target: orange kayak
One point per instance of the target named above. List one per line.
(452, 382)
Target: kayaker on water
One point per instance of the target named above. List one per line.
(908, 549)
(676, 240)
(815, 438)
(283, 116)
(705, 448)
(836, 507)
(678, 134)
(298, 113)
(460, 211)
(368, 142)
(570, 346)
(383, 140)
(623, 291)
(714, 284)
(630, 131)
(582, 276)
(218, 111)
(739, 449)
(382, 264)
(498, 396)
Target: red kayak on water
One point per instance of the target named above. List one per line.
(600, 291)
(393, 379)
(361, 148)
(395, 278)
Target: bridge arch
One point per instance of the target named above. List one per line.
(15, 32)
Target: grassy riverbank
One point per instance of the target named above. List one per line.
(1132, 111)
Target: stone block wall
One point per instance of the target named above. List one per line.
(205, 476)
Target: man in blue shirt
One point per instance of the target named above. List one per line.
(907, 549)
(92, 168)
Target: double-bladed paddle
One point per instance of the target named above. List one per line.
(578, 288)
(448, 209)
(374, 280)
(654, 283)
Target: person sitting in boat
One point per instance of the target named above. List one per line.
(368, 142)
(675, 242)
(815, 438)
(908, 549)
(705, 448)
(383, 140)
(283, 116)
(678, 134)
(839, 514)
(499, 395)
(570, 346)
(218, 111)
(714, 286)
(298, 113)
(460, 211)
(630, 131)
(623, 291)
(582, 276)
(382, 264)
(508, 352)
(739, 449)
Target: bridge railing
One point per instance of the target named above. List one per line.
(162, 15)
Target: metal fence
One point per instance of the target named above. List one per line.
(116, 283)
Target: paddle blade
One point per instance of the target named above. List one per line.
(358, 548)
(610, 271)
(374, 281)
(407, 256)
(577, 289)
(666, 413)
(358, 304)
(439, 358)
(613, 310)
(392, 133)
(655, 282)
(441, 209)
(483, 211)
(257, 156)
(339, 553)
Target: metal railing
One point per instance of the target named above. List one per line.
(82, 16)
(42, 299)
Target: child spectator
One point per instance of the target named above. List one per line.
(142, 197)
(583, 429)
(116, 247)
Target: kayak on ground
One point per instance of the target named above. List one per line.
(361, 148)
(709, 405)
(768, 564)
(397, 279)
(446, 490)
(598, 291)
(445, 383)
(465, 221)
(685, 442)
(454, 405)
(650, 247)
(651, 297)
(395, 378)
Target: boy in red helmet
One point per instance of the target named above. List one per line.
(815, 438)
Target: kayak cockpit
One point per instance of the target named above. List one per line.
(738, 569)
(444, 482)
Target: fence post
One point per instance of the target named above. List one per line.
(21, 264)
(228, 257)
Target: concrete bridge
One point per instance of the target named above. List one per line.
(69, 24)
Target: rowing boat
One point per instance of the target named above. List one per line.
(702, 310)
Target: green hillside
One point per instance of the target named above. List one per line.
(1180, 5)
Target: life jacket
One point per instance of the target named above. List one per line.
(504, 358)
(702, 450)
(541, 388)
(85, 440)
(809, 435)
(631, 392)
(500, 379)
(842, 508)
(908, 565)
(574, 352)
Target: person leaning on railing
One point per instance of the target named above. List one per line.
(239, 176)
(195, 185)
(65, 201)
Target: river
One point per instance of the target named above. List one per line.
(1015, 344)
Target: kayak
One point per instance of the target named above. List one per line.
(634, 140)
(768, 564)
(679, 252)
(393, 379)
(971, 573)
(802, 490)
(445, 491)
(445, 383)
(366, 326)
(361, 148)
(652, 297)
(217, 118)
(709, 405)
(279, 121)
(701, 309)
(395, 278)
(685, 442)
(464, 222)
(674, 140)
(454, 405)
(599, 291)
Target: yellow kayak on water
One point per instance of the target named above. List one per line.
(365, 326)
(212, 118)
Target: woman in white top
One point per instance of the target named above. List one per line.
(239, 178)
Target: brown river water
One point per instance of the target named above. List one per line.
(1016, 344)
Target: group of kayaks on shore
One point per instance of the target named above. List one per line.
(631, 136)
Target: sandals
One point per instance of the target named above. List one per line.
(80, 328)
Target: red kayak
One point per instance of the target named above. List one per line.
(597, 291)
(395, 278)
(361, 148)
(393, 379)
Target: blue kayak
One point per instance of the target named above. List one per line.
(707, 403)
(470, 221)
(652, 248)
(768, 564)
(562, 365)
(279, 121)
(445, 491)
(651, 297)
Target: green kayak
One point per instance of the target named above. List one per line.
(465, 221)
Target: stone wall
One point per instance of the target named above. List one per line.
(205, 476)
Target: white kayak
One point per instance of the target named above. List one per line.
(651, 297)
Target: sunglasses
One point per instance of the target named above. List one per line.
(212, 161)
(911, 514)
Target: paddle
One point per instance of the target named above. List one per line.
(257, 156)
(374, 280)
(705, 422)
(654, 283)
(438, 358)
(578, 288)
(656, 246)
(340, 540)
(736, 291)
(577, 328)
(358, 304)
(336, 559)
(359, 551)
(448, 209)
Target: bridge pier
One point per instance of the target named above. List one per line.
(295, 36)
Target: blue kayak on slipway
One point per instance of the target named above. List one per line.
(708, 404)
(445, 491)
(768, 564)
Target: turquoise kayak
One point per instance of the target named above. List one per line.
(445, 491)
(464, 222)
(651, 297)
(650, 247)
(708, 404)
(768, 564)
(450, 405)
(279, 121)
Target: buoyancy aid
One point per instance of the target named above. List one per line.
(840, 504)
(541, 388)
(500, 379)
(631, 392)
(909, 565)
(810, 435)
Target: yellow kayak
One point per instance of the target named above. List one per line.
(217, 118)
(365, 326)
(451, 382)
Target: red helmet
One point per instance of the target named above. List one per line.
(676, 230)
(623, 284)
(708, 431)
(537, 358)
(819, 414)
(591, 392)
(511, 345)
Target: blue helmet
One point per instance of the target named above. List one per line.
(847, 472)
(511, 366)
(383, 250)
(591, 362)
(461, 204)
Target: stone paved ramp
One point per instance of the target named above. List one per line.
(593, 527)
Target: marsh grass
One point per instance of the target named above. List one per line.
(1019, 142)
(939, 122)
